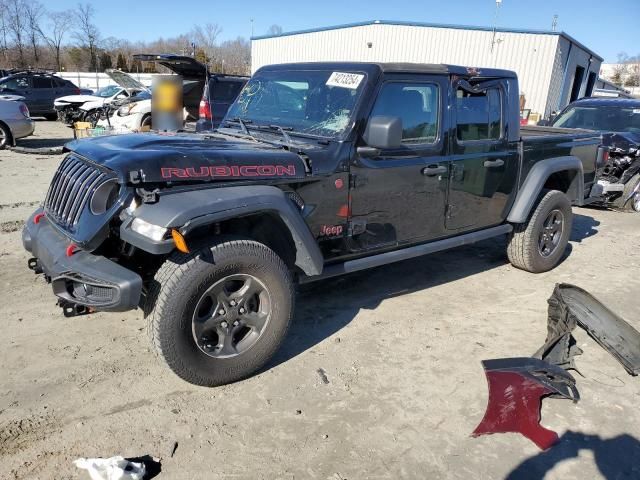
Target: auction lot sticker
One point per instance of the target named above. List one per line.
(345, 80)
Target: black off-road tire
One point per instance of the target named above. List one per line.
(145, 124)
(628, 201)
(180, 284)
(523, 248)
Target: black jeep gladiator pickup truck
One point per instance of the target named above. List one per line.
(317, 170)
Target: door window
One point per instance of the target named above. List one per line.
(226, 92)
(42, 82)
(416, 104)
(479, 114)
(16, 83)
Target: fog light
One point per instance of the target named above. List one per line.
(149, 230)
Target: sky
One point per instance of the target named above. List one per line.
(607, 27)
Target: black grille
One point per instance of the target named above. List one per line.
(70, 190)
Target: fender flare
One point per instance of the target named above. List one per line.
(537, 177)
(191, 209)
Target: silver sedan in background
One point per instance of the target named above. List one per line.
(15, 122)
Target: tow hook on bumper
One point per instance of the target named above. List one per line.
(34, 265)
(73, 309)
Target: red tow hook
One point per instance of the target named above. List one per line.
(37, 218)
(71, 249)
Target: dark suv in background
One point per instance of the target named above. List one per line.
(39, 90)
(218, 95)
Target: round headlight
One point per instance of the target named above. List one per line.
(104, 197)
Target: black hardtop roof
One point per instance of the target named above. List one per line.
(381, 67)
(608, 102)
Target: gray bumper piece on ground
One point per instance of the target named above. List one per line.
(82, 278)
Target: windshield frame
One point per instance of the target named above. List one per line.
(264, 127)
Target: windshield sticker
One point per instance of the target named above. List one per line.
(345, 80)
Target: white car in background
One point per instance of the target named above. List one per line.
(15, 122)
(73, 108)
(134, 115)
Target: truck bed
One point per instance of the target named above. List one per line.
(539, 143)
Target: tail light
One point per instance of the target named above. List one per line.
(603, 156)
(205, 109)
(77, 91)
(24, 110)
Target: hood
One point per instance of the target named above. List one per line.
(188, 158)
(624, 141)
(125, 80)
(79, 99)
(188, 67)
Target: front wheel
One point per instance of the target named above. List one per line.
(629, 201)
(538, 245)
(218, 315)
(5, 136)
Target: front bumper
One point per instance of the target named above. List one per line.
(81, 278)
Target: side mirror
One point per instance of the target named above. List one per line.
(383, 132)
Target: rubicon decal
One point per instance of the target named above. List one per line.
(223, 171)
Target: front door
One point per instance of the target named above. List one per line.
(484, 167)
(399, 196)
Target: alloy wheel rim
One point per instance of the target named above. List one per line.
(231, 316)
(635, 201)
(551, 234)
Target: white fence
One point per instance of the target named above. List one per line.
(98, 80)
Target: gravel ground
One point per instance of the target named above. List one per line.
(379, 378)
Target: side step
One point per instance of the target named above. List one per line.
(407, 253)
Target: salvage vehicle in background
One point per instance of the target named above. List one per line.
(219, 93)
(136, 116)
(620, 176)
(317, 170)
(39, 89)
(81, 108)
(15, 122)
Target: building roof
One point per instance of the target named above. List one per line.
(432, 25)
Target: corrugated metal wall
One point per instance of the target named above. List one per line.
(539, 59)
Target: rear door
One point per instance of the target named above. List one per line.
(399, 196)
(484, 166)
(43, 93)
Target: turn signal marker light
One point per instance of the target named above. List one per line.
(180, 242)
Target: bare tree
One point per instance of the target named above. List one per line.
(274, 30)
(205, 38)
(33, 11)
(87, 34)
(16, 26)
(59, 23)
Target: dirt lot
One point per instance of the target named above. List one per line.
(380, 377)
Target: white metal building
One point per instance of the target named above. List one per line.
(553, 68)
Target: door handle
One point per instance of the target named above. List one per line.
(494, 163)
(433, 170)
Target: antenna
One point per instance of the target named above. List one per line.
(554, 24)
(495, 24)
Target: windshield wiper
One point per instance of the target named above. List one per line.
(243, 125)
(283, 132)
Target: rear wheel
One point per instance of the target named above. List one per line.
(629, 201)
(538, 245)
(6, 138)
(218, 315)
(51, 116)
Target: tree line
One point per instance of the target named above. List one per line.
(626, 72)
(31, 36)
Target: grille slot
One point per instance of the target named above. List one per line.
(70, 190)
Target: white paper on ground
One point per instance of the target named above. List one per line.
(114, 468)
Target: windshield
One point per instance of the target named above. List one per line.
(108, 91)
(312, 102)
(603, 118)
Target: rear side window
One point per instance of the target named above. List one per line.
(225, 92)
(416, 104)
(41, 82)
(479, 115)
